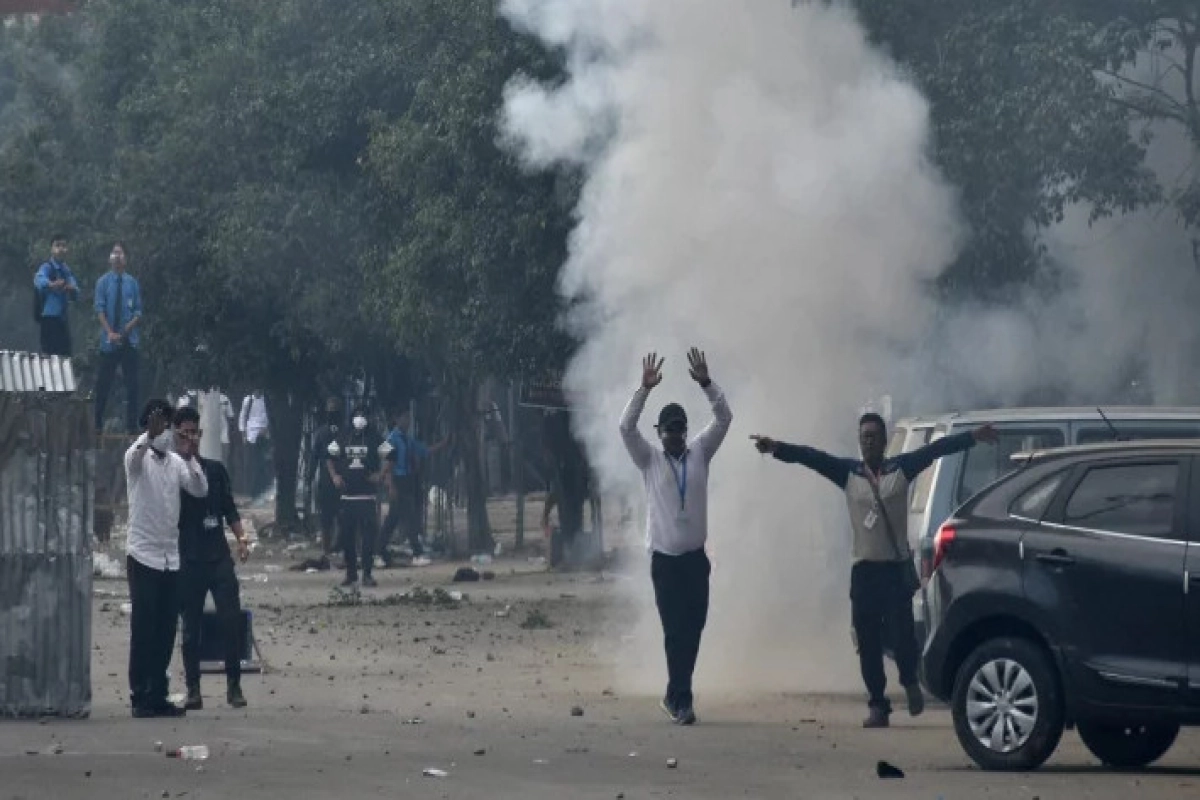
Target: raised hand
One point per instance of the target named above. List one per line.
(651, 371)
(764, 445)
(698, 367)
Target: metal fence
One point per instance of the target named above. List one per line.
(47, 472)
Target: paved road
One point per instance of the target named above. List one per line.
(333, 718)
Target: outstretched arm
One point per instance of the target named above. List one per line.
(914, 463)
(835, 469)
(639, 449)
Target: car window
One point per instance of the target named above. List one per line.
(895, 444)
(1032, 503)
(1093, 435)
(1137, 499)
(984, 463)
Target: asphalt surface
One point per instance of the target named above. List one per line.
(510, 693)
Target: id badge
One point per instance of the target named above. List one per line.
(211, 523)
(870, 519)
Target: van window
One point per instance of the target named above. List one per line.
(1092, 435)
(1137, 499)
(985, 463)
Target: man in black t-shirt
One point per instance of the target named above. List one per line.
(206, 565)
(354, 466)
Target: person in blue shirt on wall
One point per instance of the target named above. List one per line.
(56, 288)
(404, 486)
(119, 308)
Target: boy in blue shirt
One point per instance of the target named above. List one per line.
(56, 287)
(119, 308)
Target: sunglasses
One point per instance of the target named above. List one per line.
(674, 427)
(189, 434)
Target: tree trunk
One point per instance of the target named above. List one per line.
(479, 534)
(285, 417)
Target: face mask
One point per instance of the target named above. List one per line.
(360, 423)
(164, 442)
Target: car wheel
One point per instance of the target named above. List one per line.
(1007, 705)
(1128, 746)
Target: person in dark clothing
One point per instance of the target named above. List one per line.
(206, 565)
(883, 578)
(328, 499)
(354, 467)
(404, 486)
(56, 287)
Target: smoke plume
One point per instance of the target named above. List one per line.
(757, 186)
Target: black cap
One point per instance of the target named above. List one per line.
(671, 412)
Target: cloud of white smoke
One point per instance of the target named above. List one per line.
(757, 186)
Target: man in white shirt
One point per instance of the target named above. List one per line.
(676, 481)
(155, 475)
(255, 428)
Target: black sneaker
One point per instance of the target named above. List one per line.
(877, 718)
(349, 581)
(369, 582)
(194, 701)
(170, 710)
(235, 697)
(142, 712)
(668, 709)
(916, 700)
(685, 716)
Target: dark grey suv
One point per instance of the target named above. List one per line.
(1067, 594)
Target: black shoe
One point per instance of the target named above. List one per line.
(142, 712)
(685, 715)
(194, 701)
(234, 695)
(170, 710)
(669, 709)
(369, 582)
(349, 581)
(916, 700)
(877, 718)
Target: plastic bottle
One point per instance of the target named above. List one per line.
(193, 752)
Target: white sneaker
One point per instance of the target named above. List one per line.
(421, 561)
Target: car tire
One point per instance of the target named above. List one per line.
(1007, 705)
(1128, 746)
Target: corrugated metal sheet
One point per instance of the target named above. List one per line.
(46, 476)
(31, 372)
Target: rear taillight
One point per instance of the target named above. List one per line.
(941, 544)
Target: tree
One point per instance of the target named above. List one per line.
(1022, 126)
(472, 263)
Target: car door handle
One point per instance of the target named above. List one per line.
(1057, 558)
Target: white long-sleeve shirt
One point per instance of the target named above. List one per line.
(153, 485)
(253, 419)
(676, 525)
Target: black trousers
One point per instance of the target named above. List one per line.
(403, 510)
(328, 506)
(56, 337)
(681, 594)
(154, 595)
(127, 359)
(197, 580)
(881, 606)
(358, 519)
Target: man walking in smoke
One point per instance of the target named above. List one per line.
(676, 482)
(207, 565)
(328, 501)
(883, 578)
